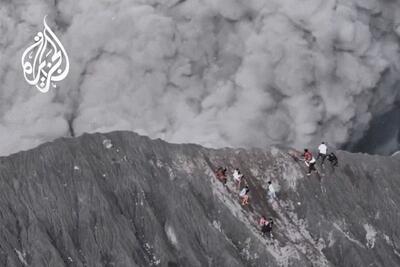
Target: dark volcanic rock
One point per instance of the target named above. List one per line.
(74, 202)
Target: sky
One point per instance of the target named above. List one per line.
(220, 73)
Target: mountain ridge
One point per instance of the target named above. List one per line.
(141, 202)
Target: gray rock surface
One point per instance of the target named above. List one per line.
(142, 202)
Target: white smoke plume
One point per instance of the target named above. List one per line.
(217, 73)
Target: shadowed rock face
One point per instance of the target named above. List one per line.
(142, 202)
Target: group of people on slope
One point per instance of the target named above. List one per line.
(244, 192)
(323, 154)
(239, 179)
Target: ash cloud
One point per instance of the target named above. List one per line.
(217, 73)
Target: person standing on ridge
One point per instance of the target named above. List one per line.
(263, 221)
(309, 160)
(322, 150)
(237, 177)
(307, 155)
(266, 226)
(271, 191)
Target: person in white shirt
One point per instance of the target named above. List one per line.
(322, 152)
(271, 191)
(243, 195)
(237, 177)
(311, 165)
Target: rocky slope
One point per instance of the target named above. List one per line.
(142, 202)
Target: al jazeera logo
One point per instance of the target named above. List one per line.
(45, 62)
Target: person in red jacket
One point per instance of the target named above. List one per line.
(221, 174)
(309, 160)
(262, 221)
(307, 155)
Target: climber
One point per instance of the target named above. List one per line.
(237, 177)
(263, 221)
(221, 175)
(309, 160)
(307, 155)
(333, 159)
(244, 195)
(322, 150)
(271, 191)
(266, 227)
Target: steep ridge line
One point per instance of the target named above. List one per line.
(143, 202)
